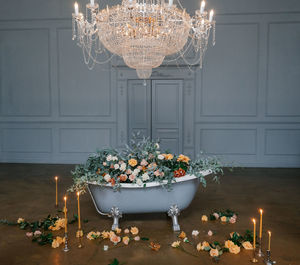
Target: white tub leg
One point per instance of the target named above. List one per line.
(116, 214)
(173, 213)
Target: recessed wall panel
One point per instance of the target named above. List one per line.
(228, 141)
(282, 142)
(82, 92)
(283, 89)
(27, 140)
(84, 140)
(230, 72)
(24, 72)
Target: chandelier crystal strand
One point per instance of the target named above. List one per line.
(143, 33)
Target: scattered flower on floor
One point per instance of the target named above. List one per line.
(234, 249)
(195, 233)
(93, 235)
(228, 244)
(20, 220)
(204, 246)
(126, 231)
(232, 220)
(210, 233)
(118, 230)
(37, 233)
(137, 238)
(204, 218)
(224, 219)
(214, 252)
(247, 245)
(79, 233)
(125, 240)
(115, 239)
(182, 235)
(55, 244)
(29, 234)
(185, 240)
(216, 215)
(175, 244)
(105, 247)
(134, 230)
(154, 246)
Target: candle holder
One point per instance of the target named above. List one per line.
(260, 253)
(268, 260)
(254, 258)
(79, 235)
(66, 248)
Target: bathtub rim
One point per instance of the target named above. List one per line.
(153, 183)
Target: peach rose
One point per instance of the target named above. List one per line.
(204, 218)
(234, 249)
(115, 239)
(247, 245)
(123, 177)
(228, 244)
(199, 246)
(118, 230)
(132, 162)
(137, 238)
(223, 219)
(105, 234)
(232, 220)
(214, 252)
(168, 156)
(79, 233)
(60, 240)
(134, 230)
(183, 158)
(182, 235)
(55, 244)
(126, 231)
(210, 233)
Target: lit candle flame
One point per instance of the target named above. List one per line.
(261, 211)
(56, 177)
(65, 198)
(253, 220)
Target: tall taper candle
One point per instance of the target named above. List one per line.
(56, 198)
(269, 245)
(260, 224)
(254, 233)
(76, 9)
(66, 219)
(79, 221)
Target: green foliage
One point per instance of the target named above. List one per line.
(144, 238)
(74, 220)
(43, 239)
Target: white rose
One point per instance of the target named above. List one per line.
(123, 167)
(157, 145)
(145, 177)
(116, 166)
(195, 233)
(114, 158)
(109, 158)
(139, 182)
(160, 157)
(136, 172)
(107, 177)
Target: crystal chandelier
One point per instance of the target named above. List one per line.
(143, 33)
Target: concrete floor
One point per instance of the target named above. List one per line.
(28, 191)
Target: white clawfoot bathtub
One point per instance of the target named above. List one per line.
(131, 198)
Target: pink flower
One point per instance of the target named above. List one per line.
(216, 215)
(29, 234)
(209, 233)
(131, 177)
(157, 173)
(140, 167)
(144, 162)
(137, 238)
(128, 171)
(126, 231)
(37, 233)
(232, 220)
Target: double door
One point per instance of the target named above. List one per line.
(155, 110)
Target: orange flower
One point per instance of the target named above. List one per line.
(183, 158)
(113, 182)
(123, 177)
(154, 246)
(182, 235)
(179, 173)
(168, 156)
(132, 162)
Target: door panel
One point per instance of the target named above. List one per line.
(139, 108)
(167, 114)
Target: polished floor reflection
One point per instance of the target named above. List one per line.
(28, 191)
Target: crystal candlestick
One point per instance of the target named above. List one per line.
(66, 248)
(268, 260)
(260, 253)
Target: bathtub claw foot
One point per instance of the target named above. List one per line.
(116, 214)
(173, 213)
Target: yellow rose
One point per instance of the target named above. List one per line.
(134, 230)
(183, 158)
(93, 235)
(204, 245)
(79, 233)
(125, 240)
(214, 252)
(55, 244)
(105, 234)
(234, 249)
(199, 246)
(60, 240)
(132, 162)
(20, 220)
(204, 218)
(228, 244)
(118, 230)
(247, 245)
(224, 219)
(175, 244)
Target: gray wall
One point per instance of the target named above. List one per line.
(243, 106)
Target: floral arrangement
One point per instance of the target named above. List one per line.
(139, 164)
(227, 216)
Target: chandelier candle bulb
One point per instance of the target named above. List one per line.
(269, 245)
(66, 219)
(211, 14)
(260, 224)
(79, 221)
(92, 2)
(202, 6)
(56, 198)
(254, 233)
(76, 9)
(170, 2)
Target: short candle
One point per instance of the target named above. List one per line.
(269, 245)
(79, 222)
(211, 14)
